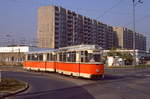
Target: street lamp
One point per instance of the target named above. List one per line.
(135, 2)
(0, 76)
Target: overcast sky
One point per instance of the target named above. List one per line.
(18, 18)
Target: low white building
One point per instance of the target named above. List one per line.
(138, 54)
(14, 55)
(11, 49)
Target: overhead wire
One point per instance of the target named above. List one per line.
(101, 16)
(139, 20)
(108, 10)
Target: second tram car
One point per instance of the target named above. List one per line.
(81, 61)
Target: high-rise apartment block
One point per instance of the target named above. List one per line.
(58, 27)
(124, 37)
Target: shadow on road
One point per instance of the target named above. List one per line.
(64, 93)
(48, 87)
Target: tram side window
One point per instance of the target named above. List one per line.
(34, 57)
(90, 57)
(82, 56)
(29, 57)
(82, 52)
(82, 59)
(60, 57)
(86, 56)
(97, 57)
(71, 56)
(40, 57)
(49, 57)
(68, 56)
(64, 57)
(54, 57)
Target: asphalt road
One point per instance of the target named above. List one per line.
(117, 84)
(47, 87)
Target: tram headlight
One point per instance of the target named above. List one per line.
(97, 70)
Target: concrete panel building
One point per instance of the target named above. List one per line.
(59, 27)
(125, 39)
(46, 27)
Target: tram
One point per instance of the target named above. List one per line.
(80, 60)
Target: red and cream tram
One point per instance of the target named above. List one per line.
(81, 61)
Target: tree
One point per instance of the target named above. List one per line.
(126, 56)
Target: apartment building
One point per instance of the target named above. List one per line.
(59, 27)
(124, 37)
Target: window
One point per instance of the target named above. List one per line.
(82, 60)
(60, 57)
(29, 57)
(82, 52)
(49, 57)
(64, 56)
(68, 54)
(54, 57)
(86, 56)
(35, 57)
(97, 57)
(71, 56)
(90, 57)
(40, 57)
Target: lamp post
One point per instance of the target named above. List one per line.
(0, 76)
(134, 33)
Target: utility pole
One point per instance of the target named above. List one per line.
(134, 53)
(134, 32)
(0, 76)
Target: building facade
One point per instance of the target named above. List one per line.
(124, 37)
(59, 27)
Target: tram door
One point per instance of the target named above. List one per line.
(44, 60)
(55, 60)
(78, 55)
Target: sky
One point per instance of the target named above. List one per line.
(18, 18)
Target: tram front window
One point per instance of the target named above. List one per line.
(94, 57)
(91, 57)
(97, 57)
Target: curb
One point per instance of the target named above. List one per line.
(7, 94)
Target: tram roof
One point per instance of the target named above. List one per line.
(42, 51)
(81, 47)
(69, 48)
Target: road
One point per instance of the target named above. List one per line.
(47, 87)
(117, 84)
